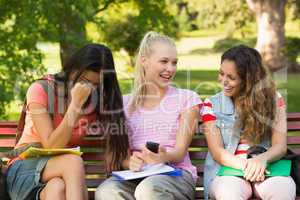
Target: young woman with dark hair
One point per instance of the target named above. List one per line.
(248, 112)
(85, 94)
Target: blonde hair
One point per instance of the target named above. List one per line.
(145, 50)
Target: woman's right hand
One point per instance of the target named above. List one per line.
(80, 93)
(136, 162)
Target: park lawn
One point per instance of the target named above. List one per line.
(204, 82)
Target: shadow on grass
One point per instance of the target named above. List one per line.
(222, 45)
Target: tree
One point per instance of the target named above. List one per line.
(125, 31)
(25, 23)
(270, 19)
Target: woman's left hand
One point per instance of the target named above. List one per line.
(255, 169)
(154, 158)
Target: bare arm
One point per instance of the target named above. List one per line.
(279, 138)
(216, 147)
(256, 166)
(187, 126)
(59, 137)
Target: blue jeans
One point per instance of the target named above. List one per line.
(24, 178)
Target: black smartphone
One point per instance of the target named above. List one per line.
(152, 146)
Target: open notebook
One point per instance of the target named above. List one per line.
(36, 152)
(277, 168)
(148, 170)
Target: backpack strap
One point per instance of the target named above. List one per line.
(49, 88)
(48, 84)
(21, 122)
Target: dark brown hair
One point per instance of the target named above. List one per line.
(98, 58)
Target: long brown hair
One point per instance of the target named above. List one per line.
(255, 103)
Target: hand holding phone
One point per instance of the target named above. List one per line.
(152, 146)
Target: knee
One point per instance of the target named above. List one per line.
(280, 195)
(54, 189)
(106, 190)
(230, 188)
(226, 193)
(73, 164)
(146, 188)
(277, 188)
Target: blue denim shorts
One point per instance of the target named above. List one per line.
(24, 178)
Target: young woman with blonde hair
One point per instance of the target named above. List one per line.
(158, 112)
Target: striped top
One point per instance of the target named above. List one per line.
(242, 149)
(160, 124)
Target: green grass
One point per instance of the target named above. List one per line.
(292, 87)
(204, 82)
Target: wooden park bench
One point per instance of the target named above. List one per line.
(93, 148)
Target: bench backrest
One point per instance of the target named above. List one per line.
(93, 148)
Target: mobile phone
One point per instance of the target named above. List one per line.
(152, 146)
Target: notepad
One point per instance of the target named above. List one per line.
(37, 152)
(148, 170)
(277, 168)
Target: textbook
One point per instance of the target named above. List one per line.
(277, 168)
(147, 170)
(37, 152)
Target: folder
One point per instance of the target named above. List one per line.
(37, 152)
(277, 168)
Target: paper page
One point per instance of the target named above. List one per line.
(147, 171)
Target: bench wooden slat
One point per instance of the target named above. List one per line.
(8, 131)
(293, 140)
(90, 143)
(7, 142)
(8, 124)
(294, 116)
(293, 126)
(93, 156)
(94, 183)
(95, 168)
(198, 142)
(201, 142)
(195, 155)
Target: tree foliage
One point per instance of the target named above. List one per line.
(26, 23)
(125, 31)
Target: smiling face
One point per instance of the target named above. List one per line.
(160, 67)
(229, 78)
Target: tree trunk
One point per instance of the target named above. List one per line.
(270, 19)
(72, 35)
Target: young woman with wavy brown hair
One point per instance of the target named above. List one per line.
(248, 112)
